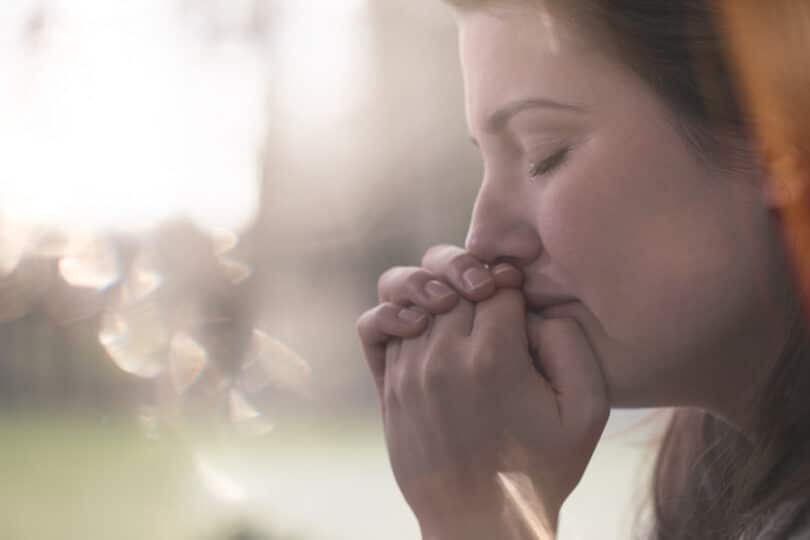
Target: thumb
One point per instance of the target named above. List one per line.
(566, 358)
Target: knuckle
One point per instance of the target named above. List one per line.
(387, 319)
(378, 321)
(403, 284)
(460, 262)
(385, 278)
(415, 282)
(364, 322)
(430, 253)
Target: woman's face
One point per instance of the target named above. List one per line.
(592, 190)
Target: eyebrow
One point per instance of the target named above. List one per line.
(501, 117)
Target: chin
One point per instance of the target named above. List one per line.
(630, 386)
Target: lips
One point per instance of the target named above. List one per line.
(538, 302)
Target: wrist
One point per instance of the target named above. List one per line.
(502, 527)
(507, 519)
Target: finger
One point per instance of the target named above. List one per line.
(464, 272)
(502, 316)
(507, 276)
(457, 322)
(411, 285)
(500, 327)
(567, 359)
(379, 324)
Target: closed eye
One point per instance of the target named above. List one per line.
(548, 165)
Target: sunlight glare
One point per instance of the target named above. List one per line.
(245, 418)
(122, 118)
(323, 46)
(136, 340)
(272, 363)
(95, 266)
(187, 360)
(220, 485)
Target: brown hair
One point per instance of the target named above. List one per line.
(709, 481)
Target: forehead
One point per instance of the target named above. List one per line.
(515, 53)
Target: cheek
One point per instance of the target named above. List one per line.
(644, 243)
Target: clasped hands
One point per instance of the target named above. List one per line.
(491, 413)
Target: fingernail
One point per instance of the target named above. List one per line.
(411, 316)
(476, 278)
(505, 269)
(438, 290)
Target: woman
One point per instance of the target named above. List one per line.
(624, 251)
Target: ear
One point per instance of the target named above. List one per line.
(746, 160)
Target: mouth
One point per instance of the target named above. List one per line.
(545, 304)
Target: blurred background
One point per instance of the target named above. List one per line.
(196, 199)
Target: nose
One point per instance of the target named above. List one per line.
(502, 229)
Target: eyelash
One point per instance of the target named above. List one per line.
(549, 164)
